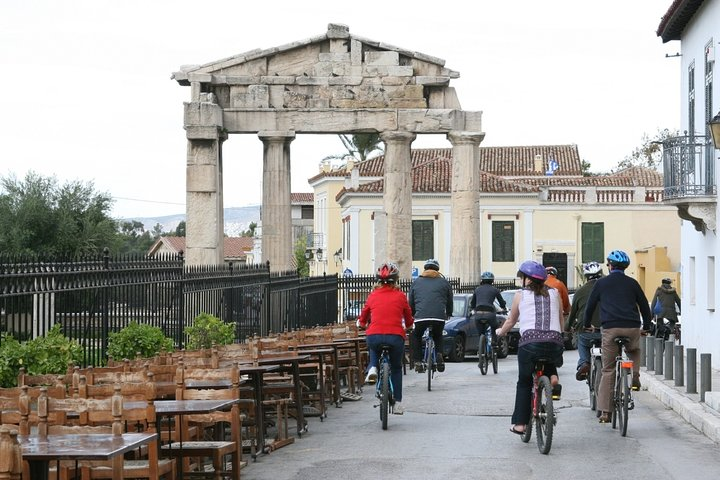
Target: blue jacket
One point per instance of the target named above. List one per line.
(619, 297)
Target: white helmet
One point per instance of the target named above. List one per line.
(591, 269)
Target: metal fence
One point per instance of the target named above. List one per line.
(92, 297)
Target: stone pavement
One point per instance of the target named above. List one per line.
(700, 415)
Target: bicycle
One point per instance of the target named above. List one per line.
(384, 387)
(543, 413)
(622, 401)
(593, 378)
(429, 357)
(487, 353)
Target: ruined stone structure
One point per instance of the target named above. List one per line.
(335, 83)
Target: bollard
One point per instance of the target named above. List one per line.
(691, 370)
(659, 356)
(643, 348)
(669, 360)
(650, 353)
(679, 367)
(705, 375)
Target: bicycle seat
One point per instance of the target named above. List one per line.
(385, 346)
(622, 340)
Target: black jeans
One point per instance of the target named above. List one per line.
(436, 329)
(482, 319)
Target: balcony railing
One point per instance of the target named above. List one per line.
(689, 168)
(601, 195)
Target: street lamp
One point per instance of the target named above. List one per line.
(319, 254)
(308, 254)
(338, 256)
(714, 125)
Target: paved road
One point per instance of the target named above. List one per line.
(460, 430)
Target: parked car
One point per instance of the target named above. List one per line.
(569, 338)
(352, 309)
(460, 336)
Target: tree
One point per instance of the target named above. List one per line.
(180, 230)
(303, 268)
(649, 153)
(134, 239)
(40, 216)
(250, 232)
(360, 146)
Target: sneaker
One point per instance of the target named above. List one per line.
(419, 367)
(398, 408)
(371, 376)
(440, 363)
(604, 417)
(636, 381)
(582, 372)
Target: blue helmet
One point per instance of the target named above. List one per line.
(533, 270)
(487, 276)
(619, 259)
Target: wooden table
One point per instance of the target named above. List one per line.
(358, 360)
(40, 451)
(289, 363)
(321, 349)
(317, 355)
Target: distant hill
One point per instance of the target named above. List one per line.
(237, 220)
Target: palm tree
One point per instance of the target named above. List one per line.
(360, 146)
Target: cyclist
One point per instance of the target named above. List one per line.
(539, 311)
(619, 297)
(664, 302)
(388, 314)
(431, 301)
(482, 305)
(576, 319)
(554, 282)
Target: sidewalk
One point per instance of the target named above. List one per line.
(699, 414)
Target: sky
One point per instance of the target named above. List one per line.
(88, 95)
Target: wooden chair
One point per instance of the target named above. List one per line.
(138, 415)
(11, 462)
(215, 449)
(48, 380)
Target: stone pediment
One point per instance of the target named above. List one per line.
(335, 70)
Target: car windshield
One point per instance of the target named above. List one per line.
(459, 306)
(508, 296)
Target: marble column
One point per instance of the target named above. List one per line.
(465, 202)
(277, 238)
(204, 196)
(397, 200)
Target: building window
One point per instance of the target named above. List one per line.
(306, 212)
(690, 278)
(593, 242)
(503, 241)
(423, 246)
(711, 284)
(691, 100)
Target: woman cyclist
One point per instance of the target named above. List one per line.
(388, 314)
(539, 311)
(482, 305)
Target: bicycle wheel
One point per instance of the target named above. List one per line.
(384, 393)
(482, 354)
(624, 401)
(595, 388)
(430, 364)
(494, 356)
(615, 405)
(545, 421)
(525, 437)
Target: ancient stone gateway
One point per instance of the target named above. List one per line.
(332, 83)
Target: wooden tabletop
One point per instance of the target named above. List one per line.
(282, 359)
(91, 446)
(183, 407)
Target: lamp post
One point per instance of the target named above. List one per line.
(338, 257)
(714, 125)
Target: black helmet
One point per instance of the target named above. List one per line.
(432, 264)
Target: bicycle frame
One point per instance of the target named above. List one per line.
(429, 356)
(384, 387)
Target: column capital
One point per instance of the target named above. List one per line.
(465, 138)
(397, 136)
(276, 135)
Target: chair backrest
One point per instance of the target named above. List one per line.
(107, 411)
(48, 380)
(227, 355)
(15, 404)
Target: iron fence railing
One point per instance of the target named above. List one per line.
(688, 167)
(92, 297)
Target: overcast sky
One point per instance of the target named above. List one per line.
(87, 93)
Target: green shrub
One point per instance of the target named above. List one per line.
(41, 355)
(138, 338)
(208, 330)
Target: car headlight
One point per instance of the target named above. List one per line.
(445, 332)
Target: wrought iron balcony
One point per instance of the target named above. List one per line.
(689, 179)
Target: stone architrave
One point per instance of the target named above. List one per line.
(465, 206)
(277, 244)
(334, 83)
(397, 199)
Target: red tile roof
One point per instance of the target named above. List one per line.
(301, 197)
(235, 247)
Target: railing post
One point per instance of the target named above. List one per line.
(705, 375)
(650, 342)
(643, 349)
(679, 366)
(659, 356)
(669, 359)
(691, 370)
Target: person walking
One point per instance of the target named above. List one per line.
(554, 282)
(482, 305)
(576, 319)
(431, 302)
(387, 316)
(663, 306)
(619, 298)
(539, 311)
